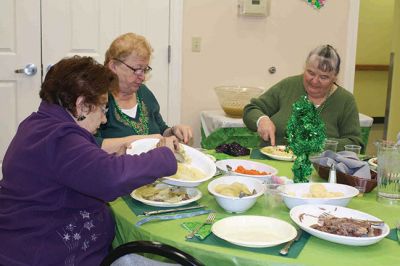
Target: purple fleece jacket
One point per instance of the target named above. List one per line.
(56, 183)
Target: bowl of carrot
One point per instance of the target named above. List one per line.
(246, 168)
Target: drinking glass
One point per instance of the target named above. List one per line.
(361, 185)
(353, 148)
(331, 145)
(388, 187)
(273, 196)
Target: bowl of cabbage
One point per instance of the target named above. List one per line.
(236, 194)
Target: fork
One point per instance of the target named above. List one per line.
(285, 250)
(210, 220)
(325, 214)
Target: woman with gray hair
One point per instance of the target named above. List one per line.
(269, 113)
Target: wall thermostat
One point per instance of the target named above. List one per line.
(254, 8)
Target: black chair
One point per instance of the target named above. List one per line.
(150, 247)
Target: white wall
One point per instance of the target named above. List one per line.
(239, 50)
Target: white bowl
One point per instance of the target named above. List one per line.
(293, 194)
(198, 160)
(234, 163)
(236, 204)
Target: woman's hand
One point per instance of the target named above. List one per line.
(266, 129)
(170, 142)
(182, 132)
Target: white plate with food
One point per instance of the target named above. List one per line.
(247, 168)
(342, 225)
(197, 168)
(163, 195)
(278, 153)
(373, 163)
(254, 231)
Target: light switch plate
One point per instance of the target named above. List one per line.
(196, 44)
(255, 8)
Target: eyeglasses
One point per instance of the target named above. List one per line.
(136, 71)
(104, 109)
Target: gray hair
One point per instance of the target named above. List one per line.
(327, 58)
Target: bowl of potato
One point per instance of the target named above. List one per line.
(317, 193)
(236, 194)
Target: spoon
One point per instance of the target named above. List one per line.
(243, 194)
(230, 170)
(179, 157)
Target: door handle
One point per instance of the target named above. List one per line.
(29, 70)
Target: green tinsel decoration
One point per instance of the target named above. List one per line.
(306, 135)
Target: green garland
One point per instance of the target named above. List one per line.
(306, 135)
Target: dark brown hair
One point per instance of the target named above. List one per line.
(77, 76)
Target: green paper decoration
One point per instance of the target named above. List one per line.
(317, 4)
(306, 136)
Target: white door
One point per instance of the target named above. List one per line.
(87, 27)
(69, 27)
(19, 46)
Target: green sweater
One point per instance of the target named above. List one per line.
(339, 112)
(117, 127)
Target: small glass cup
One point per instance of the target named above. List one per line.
(273, 197)
(353, 148)
(361, 185)
(331, 145)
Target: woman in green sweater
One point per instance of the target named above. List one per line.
(133, 111)
(269, 113)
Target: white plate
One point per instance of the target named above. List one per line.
(198, 160)
(193, 193)
(279, 157)
(254, 231)
(221, 165)
(337, 211)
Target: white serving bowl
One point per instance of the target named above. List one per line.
(293, 194)
(247, 164)
(198, 159)
(236, 204)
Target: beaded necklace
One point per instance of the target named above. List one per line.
(140, 127)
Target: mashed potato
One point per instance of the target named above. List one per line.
(188, 173)
(320, 191)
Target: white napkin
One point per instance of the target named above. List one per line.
(345, 161)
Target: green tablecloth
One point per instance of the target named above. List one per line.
(315, 252)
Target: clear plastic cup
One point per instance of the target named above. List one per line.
(361, 185)
(273, 198)
(331, 145)
(353, 148)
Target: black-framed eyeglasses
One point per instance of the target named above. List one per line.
(136, 71)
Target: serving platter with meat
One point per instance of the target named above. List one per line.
(347, 226)
(340, 224)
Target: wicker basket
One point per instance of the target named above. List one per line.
(346, 179)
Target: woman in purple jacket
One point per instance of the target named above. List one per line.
(57, 181)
